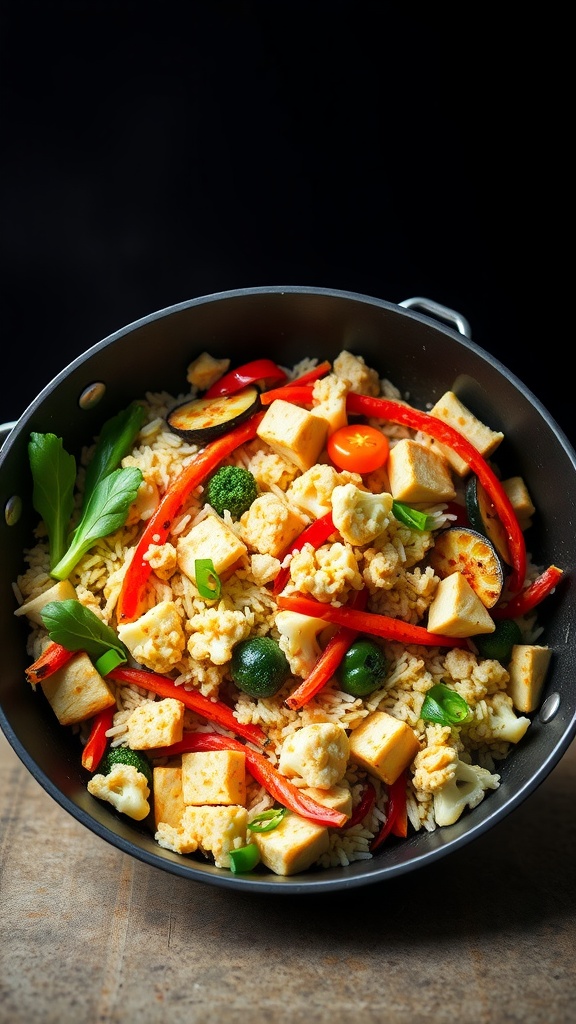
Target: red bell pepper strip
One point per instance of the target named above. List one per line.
(368, 622)
(363, 808)
(533, 594)
(248, 373)
(158, 526)
(316, 534)
(284, 791)
(398, 412)
(298, 394)
(397, 818)
(53, 657)
(212, 710)
(97, 741)
(329, 660)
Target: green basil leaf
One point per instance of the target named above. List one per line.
(54, 476)
(412, 517)
(444, 706)
(115, 441)
(207, 579)
(77, 628)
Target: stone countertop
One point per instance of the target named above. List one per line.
(93, 936)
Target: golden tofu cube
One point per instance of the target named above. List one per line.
(418, 474)
(157, 723)
(216, 829)
(61, 591)
(337, 797)
(210, 538)
(451, 410)
(294, 433)
(168, 800)
(520, 500)
(457, 610)
(293, 846)
(214, 777)
(383, 745)
(527, 667)
(77, 691)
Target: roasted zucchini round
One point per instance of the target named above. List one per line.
(203, 419)
(483, 517)
(459, 549)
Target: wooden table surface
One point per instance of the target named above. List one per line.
(91, 935)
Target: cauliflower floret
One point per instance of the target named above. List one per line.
(329, 572)
(270, 469)
(163, 559)
(157, 639)
(270, 525)
(329, 395)
(316, 753)
(504, 723)
(466, 788)
(359, 377)
(214, 633)
(436, 764)
(125, 788)
(204, 371)
(299, 640)
(360, 516)
(312, 490)
(264, 569)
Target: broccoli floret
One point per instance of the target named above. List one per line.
(125, 755)
(232, 488)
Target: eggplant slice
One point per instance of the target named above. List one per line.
(483, 517)
(203, 419)
(459, 549)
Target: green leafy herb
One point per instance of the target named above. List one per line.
(444, 706)
(54, 476)
(412, 517)
(77, 628)
(207, 579)
(266, 821)
(115, 441)
(105, 512)
(245, 858)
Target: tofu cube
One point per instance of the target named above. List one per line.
(294, 433)
(210, 538)
(206, 370)
(451, 410)
(214, 777)
(168, 800)
(157, 723)
(337, 797)
(293, 846)
(216, 830)
(61, 591)
(77, 691)
(269, 525)
(527, 667)
(520, 500)
(457, 610)
(418, 474)
(383, 745)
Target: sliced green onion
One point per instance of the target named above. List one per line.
(412, 517)
(444, 706)
(245, 858)
(109, 660)
(267, 820)
(207, 579)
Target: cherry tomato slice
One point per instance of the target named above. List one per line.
(248, 373)
(358, 447)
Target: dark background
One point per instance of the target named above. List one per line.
(155, 153)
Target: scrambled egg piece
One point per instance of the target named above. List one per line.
(316, 753)
(271, 469)
(163, 559)
(270, 525)
(436, 764)
(157, 639)
(359, 515)
(329, 395)
(329, 572)
(312, 490)
(214, 633)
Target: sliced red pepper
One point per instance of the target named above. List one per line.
(158, 526)
(248, 373)
(97, 741)
(364, 807)
(396, 817)
(212, 710)
(298, 394)
(284, 791)
(53, 657)
(329, 660)
(368, 622)
(399, 412)
(527, 599)
(316, 534)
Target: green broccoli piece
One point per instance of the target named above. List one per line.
(232, 488)
(125, 755)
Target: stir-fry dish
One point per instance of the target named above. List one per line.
(290, 617)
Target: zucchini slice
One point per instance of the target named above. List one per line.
(459, 549)
(203, 419)
(483, 517)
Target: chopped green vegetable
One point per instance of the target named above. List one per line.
(245, 858)
(125, 755)
(77, 628)
(207, 579)
(444, 706)
(499, 644)
(232, 488)
(267, 821)
(108, 661)
(259, 666)
(412, 517)
(54, 477)
(363, 668)
(115, 441)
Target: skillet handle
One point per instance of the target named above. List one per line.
(442, 312)
(5, 429)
